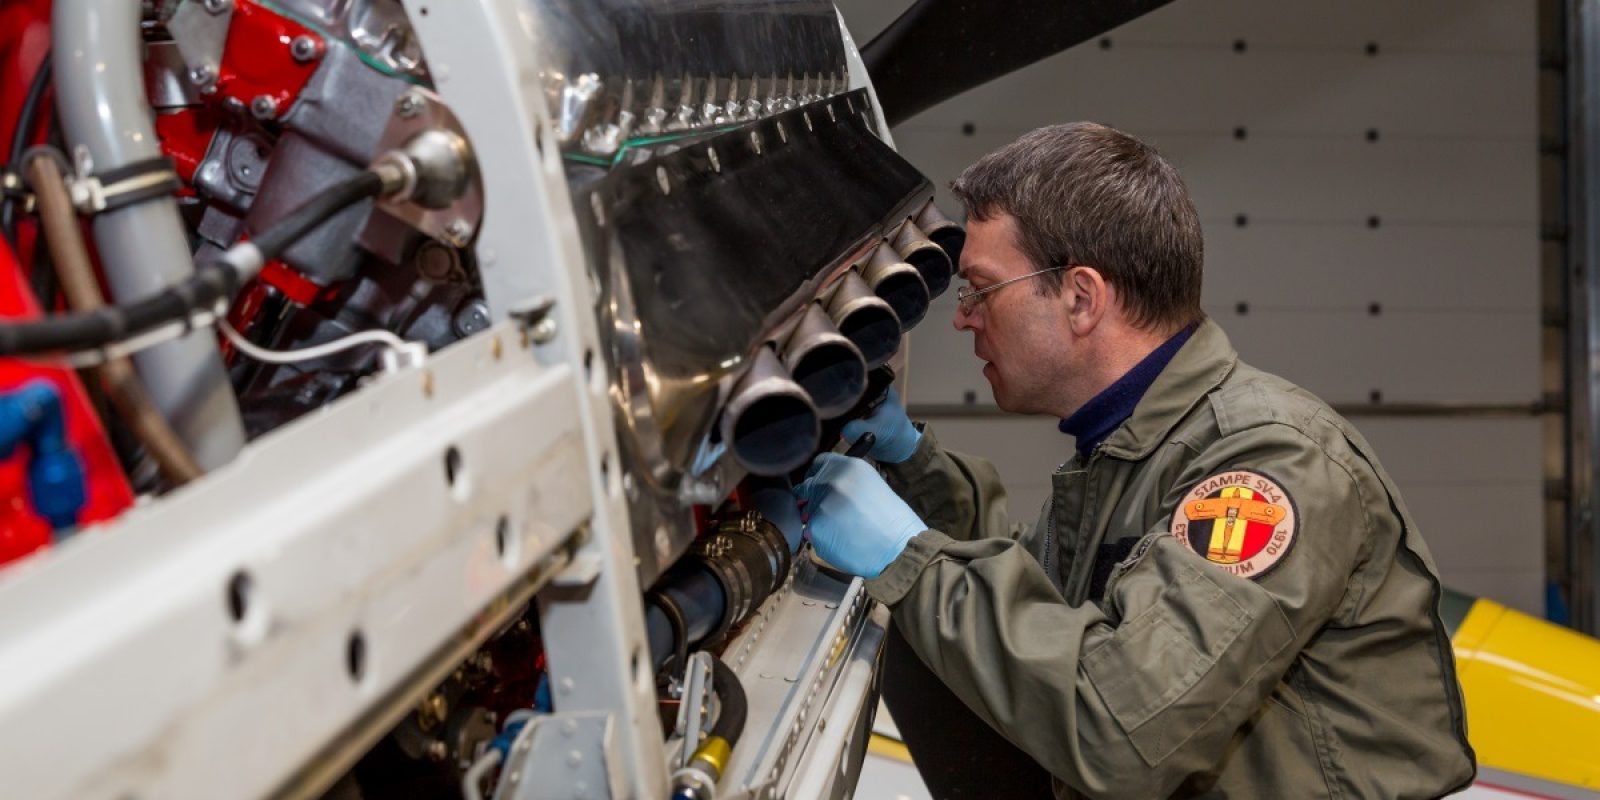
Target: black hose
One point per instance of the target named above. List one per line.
(301, 221)
(735, 707)
(679, 626)
(211, 283)
(20, 135)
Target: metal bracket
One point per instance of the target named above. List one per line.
(692, 710)
(415, 111)
(572, 751)
(200, 29)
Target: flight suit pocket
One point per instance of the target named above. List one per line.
(1136, 694)
(1158, 659)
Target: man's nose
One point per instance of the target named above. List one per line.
(964, 321)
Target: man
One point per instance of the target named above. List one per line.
(1224, 596)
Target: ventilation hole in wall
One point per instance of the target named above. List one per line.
(1241, 220)
(968, 129)
(1372, 134)
(1241, 133)
(239, 587)
(1240, 45)
(1375, 309)
(1375, 396)
(1372, 48)
(1241, 308)
(452, 466)
(1105, 43)
(355, 656)
(1374, 221)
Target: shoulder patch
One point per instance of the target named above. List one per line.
(1240, 520)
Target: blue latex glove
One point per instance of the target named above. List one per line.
(857, 522)
(775, 501)
(897, 437)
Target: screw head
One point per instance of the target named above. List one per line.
(264, 107)
(233, 104)
(544, 330)
(304, 48)
(409, 105)
(203, 75)
(438, 751)
(459, 232)
(217, 6)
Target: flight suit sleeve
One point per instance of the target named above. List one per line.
(952, 492)
(1129, 701)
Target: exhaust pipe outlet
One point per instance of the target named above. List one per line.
(865, 319)
(899, 284)
(943, 231)
(919, 251)
(827, 365)
(770, 424)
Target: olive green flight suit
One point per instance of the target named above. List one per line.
(1327, 674)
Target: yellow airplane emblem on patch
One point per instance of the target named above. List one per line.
(1235, 508)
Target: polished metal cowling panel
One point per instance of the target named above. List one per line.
(617, 69)
(707, 253)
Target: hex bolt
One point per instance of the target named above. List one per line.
(264, 107)
(303, 48)
(233, 104)
(217, 6)
(409, 105)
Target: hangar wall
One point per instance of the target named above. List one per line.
(1367, 174)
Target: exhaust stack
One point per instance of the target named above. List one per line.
(865, 319)
(943, 231)
(826, 364)
(770, 423)
(899, 284)
(919, 251)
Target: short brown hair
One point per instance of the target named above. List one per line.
(1086, 194)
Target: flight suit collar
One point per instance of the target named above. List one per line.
(1199, 366)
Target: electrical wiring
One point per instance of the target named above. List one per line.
(210, 288)
(19, 140)
(378, 336)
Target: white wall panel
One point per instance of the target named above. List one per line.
(1380, 153)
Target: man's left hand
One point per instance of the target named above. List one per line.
(857, 523)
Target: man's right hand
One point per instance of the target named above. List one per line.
(897, 437)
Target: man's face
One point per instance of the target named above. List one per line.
(1022, 337)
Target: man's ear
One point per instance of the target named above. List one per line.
(1088, 298)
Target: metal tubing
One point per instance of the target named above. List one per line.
(943, 231)
(826, 364)
(770, 423)
(930, 259)
(100, 95)
(865, 319)
(899, 284)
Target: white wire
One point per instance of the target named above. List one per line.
(375, 336)
(472, 781)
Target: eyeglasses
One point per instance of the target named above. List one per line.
(968, 298)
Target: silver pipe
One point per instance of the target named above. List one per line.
(899, 284)
(943, 231)
(865, 319)
(930, 259)
(100, 95)
(827, 365)
(770, 424)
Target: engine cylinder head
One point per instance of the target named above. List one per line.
(919, 251)
(944, 232)
(899, 284)
(826, 364)
(770, 423)
(865, 319)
